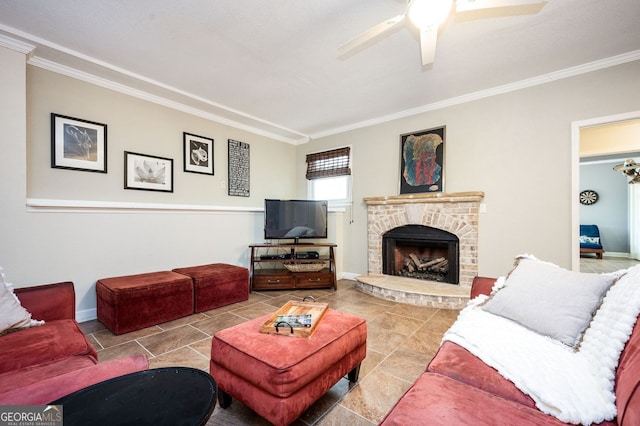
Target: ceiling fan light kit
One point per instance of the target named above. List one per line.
(428, 15)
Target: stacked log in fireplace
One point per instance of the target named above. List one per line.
(434, 269)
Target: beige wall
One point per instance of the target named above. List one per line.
(83, 243)
(139, 126)
(516, 147)
(13, 129)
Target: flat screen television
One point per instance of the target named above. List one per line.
(295, 219)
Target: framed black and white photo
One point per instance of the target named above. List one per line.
(198, 154)
(78, 144)
(422, 161)
(147, 172)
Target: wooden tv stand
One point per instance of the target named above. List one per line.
(268, 270)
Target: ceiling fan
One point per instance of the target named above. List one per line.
(428, 15)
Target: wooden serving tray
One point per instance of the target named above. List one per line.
(295, 319)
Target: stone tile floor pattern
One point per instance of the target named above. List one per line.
(590, 264)
(401, 341)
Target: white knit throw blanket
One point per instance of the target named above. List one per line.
(573, 386)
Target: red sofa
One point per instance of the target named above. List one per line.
(43, 363)
(457, 388)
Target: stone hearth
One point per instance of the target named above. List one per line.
(456, 213)
(413, 291)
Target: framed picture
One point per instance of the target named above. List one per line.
(422, 161)
(198, 154)
(239, 167)
(78, 144)
(147, 172)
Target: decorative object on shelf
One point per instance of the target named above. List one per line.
(588, 197)
(198, 154)
(238, 168)
(147, 172)
(306, 267)
(422, 161)
(78, 144)
(631, 169)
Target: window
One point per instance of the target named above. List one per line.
(329, 176)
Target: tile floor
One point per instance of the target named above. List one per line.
(606, 264)
(401, 341)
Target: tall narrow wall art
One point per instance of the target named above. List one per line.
(238, 168)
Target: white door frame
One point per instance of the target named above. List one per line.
(575, 175)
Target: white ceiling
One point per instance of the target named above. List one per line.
(273, 66)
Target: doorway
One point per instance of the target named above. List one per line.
(611, 147)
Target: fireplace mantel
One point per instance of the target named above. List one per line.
(431, 197)
(456, 212)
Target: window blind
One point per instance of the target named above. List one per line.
(335, 162)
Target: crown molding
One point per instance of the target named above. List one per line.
(294, 138)
(17, 45)
(511, 87)
(160, 100)
(261, 127)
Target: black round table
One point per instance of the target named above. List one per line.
(161, 396)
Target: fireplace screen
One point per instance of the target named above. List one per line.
(421, 252)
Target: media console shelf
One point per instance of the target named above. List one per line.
(287, 266)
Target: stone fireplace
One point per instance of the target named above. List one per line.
(452, 216)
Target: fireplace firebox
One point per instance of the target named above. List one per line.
(421, 252)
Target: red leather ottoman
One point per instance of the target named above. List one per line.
(217, 284)
(279, 377)
(133, 302)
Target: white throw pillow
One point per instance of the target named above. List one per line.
(592, 240)
(550, 300)
(12, 314)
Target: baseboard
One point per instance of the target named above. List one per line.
(617, 254)
(86, 315)
(347, 276)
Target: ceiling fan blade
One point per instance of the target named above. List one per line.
(468, 5)
(428, 38)
(468, 10)
(370, 34)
